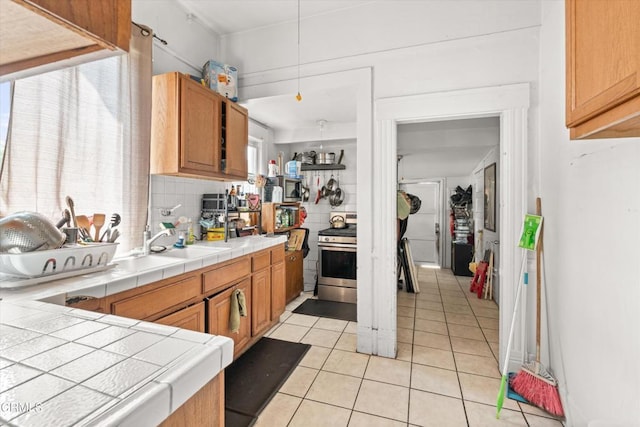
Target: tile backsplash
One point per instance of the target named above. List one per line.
(169, 191)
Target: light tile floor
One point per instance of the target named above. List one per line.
(445, 374)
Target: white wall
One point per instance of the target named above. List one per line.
(189, 45)
(499, 47)
(590, 202)
(318, 215)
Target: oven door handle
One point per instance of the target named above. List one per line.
(342, 247)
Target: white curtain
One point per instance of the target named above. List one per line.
(84, 132)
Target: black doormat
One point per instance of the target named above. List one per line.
(332, 309)
(254, 378)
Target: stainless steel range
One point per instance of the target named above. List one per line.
(337, 260)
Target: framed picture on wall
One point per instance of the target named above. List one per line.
(490, 197)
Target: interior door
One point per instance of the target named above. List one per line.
(423, 227)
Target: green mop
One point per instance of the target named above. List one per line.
(531, 228)
(505, 368)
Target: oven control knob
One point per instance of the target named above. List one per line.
(326, 239)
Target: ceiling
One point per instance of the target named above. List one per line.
(459, 144)
(281, 113)
(233, 16)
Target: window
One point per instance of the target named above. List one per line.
(5, 113)
(82, 132)
(252, 160)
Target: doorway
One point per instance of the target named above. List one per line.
(423, 227)
(510, 103)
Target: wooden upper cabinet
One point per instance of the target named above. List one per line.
(185, 127)
(199, 128)
(603, 68)
(38, 36)
(237, 139)
(196, 132)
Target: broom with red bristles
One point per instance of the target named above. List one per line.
(534, 382)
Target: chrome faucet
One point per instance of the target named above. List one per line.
(148, 240)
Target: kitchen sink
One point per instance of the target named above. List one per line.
(138, 263)
(191, 252)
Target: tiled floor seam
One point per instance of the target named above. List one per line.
(455, 364)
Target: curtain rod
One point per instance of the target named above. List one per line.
(145, 31)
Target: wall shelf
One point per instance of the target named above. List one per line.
(322, 167)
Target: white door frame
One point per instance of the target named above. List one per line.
(510, 103)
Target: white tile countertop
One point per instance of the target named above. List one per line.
(134, 271)
(61, 366)
(64, 366)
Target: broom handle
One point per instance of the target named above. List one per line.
(538, 278)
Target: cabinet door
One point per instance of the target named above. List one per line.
(152, 304)
(229, 273)
(261, 301)
(237, 139)
(200, 125)
(294, 276)
(191, 318)
(603, 60)
(219, 309)
(278, 290)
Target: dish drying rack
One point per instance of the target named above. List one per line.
(52, 264)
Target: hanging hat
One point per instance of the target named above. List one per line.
(415, 203)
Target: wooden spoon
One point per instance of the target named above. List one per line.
(84, 224)
(98, 222)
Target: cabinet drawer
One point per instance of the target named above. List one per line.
(260, 261)
(191, 318)
(218, 278)
(151, 303)
(277, 254)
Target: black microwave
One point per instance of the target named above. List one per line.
(291, 188)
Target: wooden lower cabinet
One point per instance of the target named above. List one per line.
(278, 291)
(294, 277)
(219, 278)
(219, 309)
(159, 300)
(205, 408)
(191, 318)
(261, 301)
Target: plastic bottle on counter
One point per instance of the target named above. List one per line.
(272, 169)
(180, 243)
(191, 238)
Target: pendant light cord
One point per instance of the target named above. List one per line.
(298, 96)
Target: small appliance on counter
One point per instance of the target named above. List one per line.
(291, 189)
